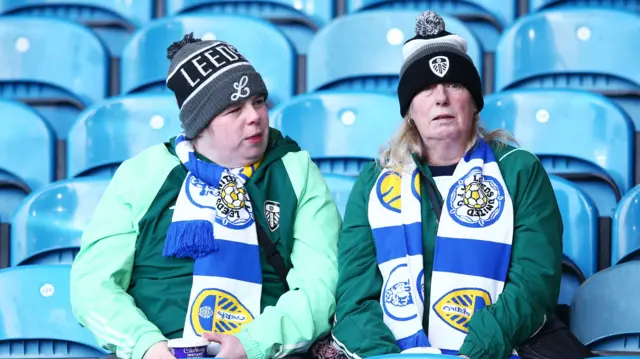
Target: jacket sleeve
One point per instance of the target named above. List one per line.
(533, 280)
(302, 314)
(359, 329)
(101, 273)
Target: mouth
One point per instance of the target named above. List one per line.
(255, 138)
(443, 117)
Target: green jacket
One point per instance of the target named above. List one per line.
(131, 297)
(532, 287)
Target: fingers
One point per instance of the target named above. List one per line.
(214, 337)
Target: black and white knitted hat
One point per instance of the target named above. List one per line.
(435, 56)
(206, 78)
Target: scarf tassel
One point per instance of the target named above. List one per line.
(190, 239)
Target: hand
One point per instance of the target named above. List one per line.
(463, 356)
(159, 350)
(230, 346)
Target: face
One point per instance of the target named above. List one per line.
(443, 112)
(238, 136)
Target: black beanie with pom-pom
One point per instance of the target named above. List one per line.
(434, 56)
(206, 78)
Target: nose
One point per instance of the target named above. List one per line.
(252, 116)
(440, 95)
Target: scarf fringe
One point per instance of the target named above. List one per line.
(190, 239)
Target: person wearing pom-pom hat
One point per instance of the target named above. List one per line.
(227, 233)
(452, 239)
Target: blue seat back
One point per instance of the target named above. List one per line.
(580, 236)
(117, 129)
(340, 188)
(36, 320)
(145, 65)
(27, 160)
(113, 20)
(542, 120)
(363, 51)
(626, 228)
(571, 48)
(605, 314)
(486, 18)
(297, 19)
(538, 5)
(47, 227)
(341, 130)
(57, 65)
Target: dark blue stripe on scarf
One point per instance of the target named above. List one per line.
(481, 150)
(418, 339)
(389, 240)
(226, 261)
(472, 257)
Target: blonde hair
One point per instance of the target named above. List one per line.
(407, 141)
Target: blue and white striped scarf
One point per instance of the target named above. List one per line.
(472, 251)
(213, 223)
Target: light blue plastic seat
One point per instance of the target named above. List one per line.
(626, 228)
(340, 187)
(624, 5)
(605, 314)
(572, 48)
(145, 65)
(36, 320)
(57, 66)
(47, 227)
(341, 130)
(297, 19)
(117, 129)
(579, 239)
(26, 155)
(578, 135)
(486, 18)
(363, 51)
(113, 20)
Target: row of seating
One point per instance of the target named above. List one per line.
(353, 125)
(355, 52)
(115, 21)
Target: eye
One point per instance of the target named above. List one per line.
(233, 110)
(455, 86)
(259, 102)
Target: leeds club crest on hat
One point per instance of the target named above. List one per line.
(439, 65)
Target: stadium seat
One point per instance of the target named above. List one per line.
(363, 51)
(341, 130)
(54, 65)
(573, 48)
(48, 225)
(36, 320)
(113, 20)
(605, 314)
(486, 18)
(578, 135)
(145, 65)
(27, 160)
(625, 239)
(580, 237)
(340, 188)
(624, 5)
(297, 19)
(117, 129)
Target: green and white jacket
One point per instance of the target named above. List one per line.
(130, 296)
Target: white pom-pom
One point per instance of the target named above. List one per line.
(429, 23)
